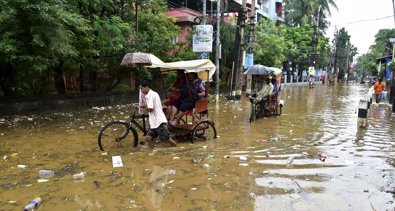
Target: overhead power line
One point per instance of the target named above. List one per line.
(367, 20)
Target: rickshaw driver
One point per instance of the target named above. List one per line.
(265, 93)
(157, 119)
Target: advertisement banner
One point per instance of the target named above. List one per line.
(202, 38)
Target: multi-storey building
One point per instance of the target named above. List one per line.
(190, 12)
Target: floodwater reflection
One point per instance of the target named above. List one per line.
(312, 157)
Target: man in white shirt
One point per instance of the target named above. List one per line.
(157, 119)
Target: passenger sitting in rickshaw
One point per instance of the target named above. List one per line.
(265, 95)
(275, 88)
(186, 101)
(173, 92)
(197, 84)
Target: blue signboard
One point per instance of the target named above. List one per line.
(203, 56)
(249, 60)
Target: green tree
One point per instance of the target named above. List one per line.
(298, 45)
(270, 42)
(34, 33)
(344, 52)
(313, 14)
(228, 36)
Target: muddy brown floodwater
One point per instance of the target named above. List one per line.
(312, 157)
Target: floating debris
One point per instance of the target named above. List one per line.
(42, 180)
(22, 166)
(244, 158)
(321, 157)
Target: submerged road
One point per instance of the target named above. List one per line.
(312, 157)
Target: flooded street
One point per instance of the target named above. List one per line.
(312, 157)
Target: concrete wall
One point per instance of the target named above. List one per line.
(61, 103)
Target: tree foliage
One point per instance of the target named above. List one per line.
(43, 41)
(270, 44)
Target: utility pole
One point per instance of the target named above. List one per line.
(239, 67)
(393, 7)
(348, 58)
(204, 12)
(217, 50)
(250, 43)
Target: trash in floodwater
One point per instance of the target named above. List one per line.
(176, 158)
(171, 171)
(33, 204)
(290, 160)
(79, 176)
(262, 141)
(117, 161)
(22, 166)
(294, 196)
(321, 157)
(243, 158)
(46, 172)
(42, 180)
(104, 153)
(243, 164)
(206, 165)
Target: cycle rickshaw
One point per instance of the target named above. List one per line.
(195, 124)
(273, 106)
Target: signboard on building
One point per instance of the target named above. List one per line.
(202, 38)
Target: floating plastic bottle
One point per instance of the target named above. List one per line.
(78, 176)
(33, 204)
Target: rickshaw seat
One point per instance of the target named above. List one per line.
(201, 105)
(201, 108)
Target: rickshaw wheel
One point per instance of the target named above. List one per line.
(204, 130)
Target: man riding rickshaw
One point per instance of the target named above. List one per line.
(266, 85)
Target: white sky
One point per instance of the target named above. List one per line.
(358, 17)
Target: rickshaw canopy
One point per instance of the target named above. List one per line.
(190, 66)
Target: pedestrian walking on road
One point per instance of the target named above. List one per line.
(378, 90)
(157, 118)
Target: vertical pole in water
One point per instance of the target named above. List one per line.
(217, 50)
(362, 113)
